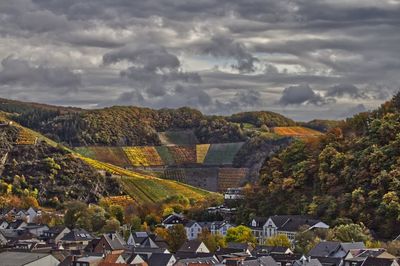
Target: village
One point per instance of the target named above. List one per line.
(26, 242)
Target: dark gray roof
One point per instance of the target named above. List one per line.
(78, 235)
(325, 261)
(149, 243)
(115, 241)
(292, 223)
(20, 258)
(370, 261)
(262, 261)
(269, 250)
(190, 246)
(324, 249)
(238, 246)
(159, 259)
(307, 262)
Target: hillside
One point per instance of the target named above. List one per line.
(353, 172)
(135, 126)
(48, 172)
(35, 166)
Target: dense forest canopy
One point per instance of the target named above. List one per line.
(129, 125)
(351, 173)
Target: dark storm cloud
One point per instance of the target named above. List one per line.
(218, 56)
(301, 94)
(21, 72)
(154, 68)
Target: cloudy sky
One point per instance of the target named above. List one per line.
(303, 58)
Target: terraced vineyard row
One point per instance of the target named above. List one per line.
(300, 132)
(26, 138)
(151, 156)
(145, 188)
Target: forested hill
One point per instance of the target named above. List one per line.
(128, 126)
(31, 167)
(353, 172)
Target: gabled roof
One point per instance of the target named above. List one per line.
(77, 235)
(159, 259)
(115, 241)
(292, 223)
(347, 246)
(260, 221)
(270, 250)
(308, 262)
(15, 224)
(190, 246)
(149, 243)
(324, 249)
(370, 261)
(174, 219)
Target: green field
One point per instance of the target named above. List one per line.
(222, 154)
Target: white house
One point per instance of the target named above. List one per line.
(193, 229)
(288, 225)
(220, 227)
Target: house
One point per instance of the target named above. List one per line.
(160, 259)
(3, 224)
(17, 224)
(31, 214)
(3, 239)
(220, 227)
(307, 261)
(268, 250)
(173, 219)
(193, 229)
(356, 257)
(261, 261)
(195, 246)
(35, 229)
(76, 237)
(110, 243)
(288, 225)
(211, 260)
(53, 235)
(371, 261)
(27, 259)
(334, 249)
(234, 194)
(136, 238)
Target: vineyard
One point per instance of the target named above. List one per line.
(300, 132)
(112, 155)
(145, 188)
(201, 152)
(183, 154)
(26, 138)
(231, 177)
(143, 156)
(222, 154)
(119, 200)
(161, 156)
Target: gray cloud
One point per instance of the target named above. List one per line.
(172, 53)
(302, 94)
(21, 72)
(220, 46)
(343, 90)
